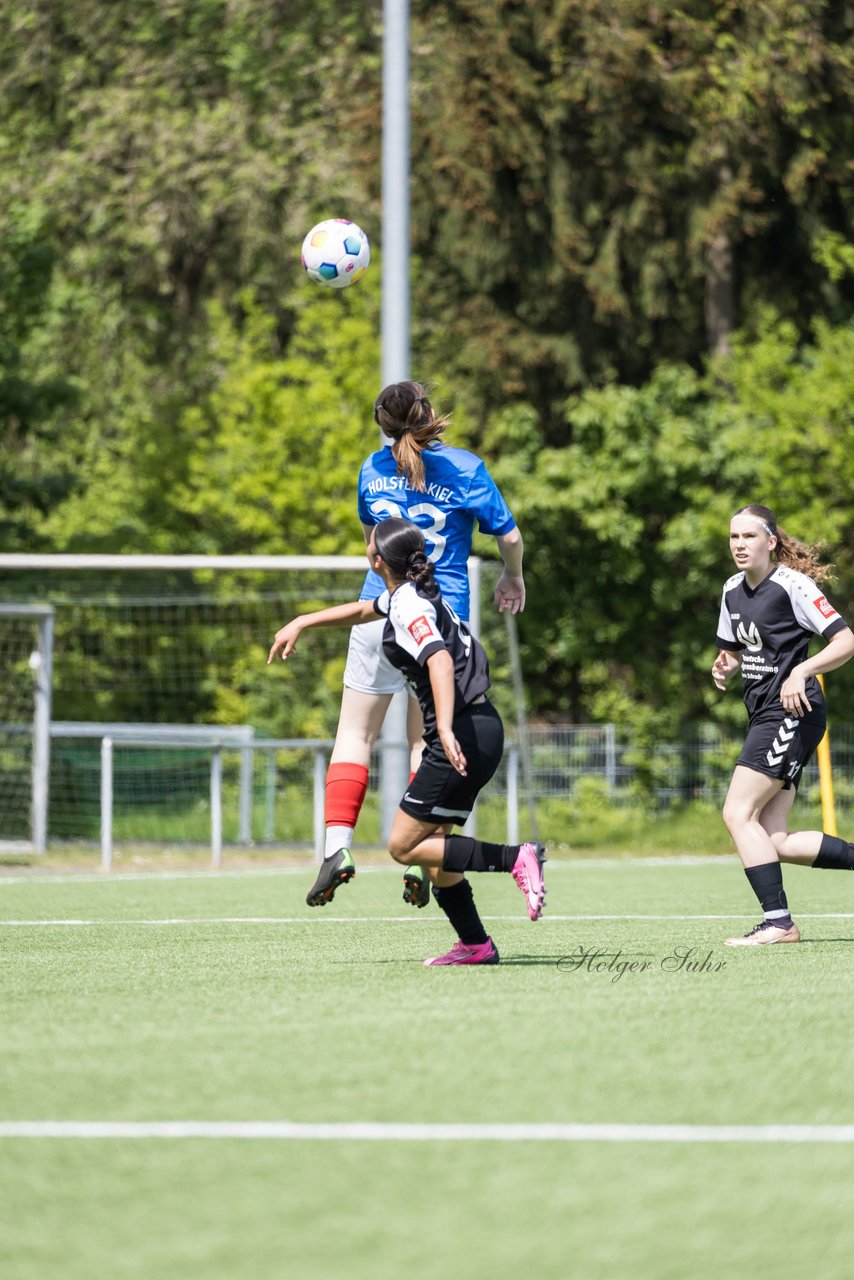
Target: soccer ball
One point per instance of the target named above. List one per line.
(336, 253)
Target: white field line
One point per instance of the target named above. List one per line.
(178, 921)
(46, 876)
(285, 1131)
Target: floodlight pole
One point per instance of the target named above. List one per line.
(395, 321)
(395, 193)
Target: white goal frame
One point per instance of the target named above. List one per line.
(394, 771)
(36, 560)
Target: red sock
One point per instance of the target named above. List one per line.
(346, 785)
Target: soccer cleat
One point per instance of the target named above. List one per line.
(416, 887)
(527, 871)
(766, 932)
(461, 953)
(333, 872)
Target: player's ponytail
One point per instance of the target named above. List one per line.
(404, 413)
(402, 547)
(803, 557)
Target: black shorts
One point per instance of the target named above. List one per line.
(438, 793)
(781, 745)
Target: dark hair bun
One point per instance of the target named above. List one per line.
(420, 571)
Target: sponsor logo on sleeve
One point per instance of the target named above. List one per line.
(420, 630)
(824, 607)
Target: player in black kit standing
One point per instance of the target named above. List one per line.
(463, 734)
(770, 610)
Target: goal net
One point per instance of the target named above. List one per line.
(25, 686)
(146, 647)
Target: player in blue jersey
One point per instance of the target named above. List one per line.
(446, 492)
(448, 671)
(770, 610)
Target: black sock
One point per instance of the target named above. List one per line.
(457, 902)
(767, 883)
(835, 854)
(464, 854)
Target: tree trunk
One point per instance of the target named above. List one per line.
(720, 294)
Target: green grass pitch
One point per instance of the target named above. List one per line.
(221, 997)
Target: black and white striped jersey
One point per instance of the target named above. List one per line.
(418, 626)
(771, 626)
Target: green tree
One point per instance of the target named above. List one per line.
(602, 190)
(618, 570)
(182, 152)
(278, 440)
(32, 477)
(627, 523)
(606, 184)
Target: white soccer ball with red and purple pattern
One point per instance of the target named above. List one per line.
(336, 253)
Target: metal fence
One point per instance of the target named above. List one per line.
(662, 773)
(191, 647)
(128, 791)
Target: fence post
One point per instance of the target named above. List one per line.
(244, 827)
(513, 794)
(394, 761)
(270, 797)
(106, 804)
(319, 804)
(216, 806)
(610, 756)
(43, 670)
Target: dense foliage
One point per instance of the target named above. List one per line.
(632, 281)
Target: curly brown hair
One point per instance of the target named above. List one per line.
(804, 557)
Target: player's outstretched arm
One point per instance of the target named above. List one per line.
(510, 591)
(339, 615)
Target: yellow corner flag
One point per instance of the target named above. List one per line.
(825, 781)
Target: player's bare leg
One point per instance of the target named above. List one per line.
(751, 795)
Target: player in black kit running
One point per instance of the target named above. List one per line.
(463, 734)
(770, 610)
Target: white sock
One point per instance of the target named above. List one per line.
(337, 838)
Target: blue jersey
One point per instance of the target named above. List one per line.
(459, 493)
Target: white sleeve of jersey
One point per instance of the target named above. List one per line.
(725, 631)
(382, 603)
(810, 606)
(416, 627)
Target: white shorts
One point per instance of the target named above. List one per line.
(368, 670)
